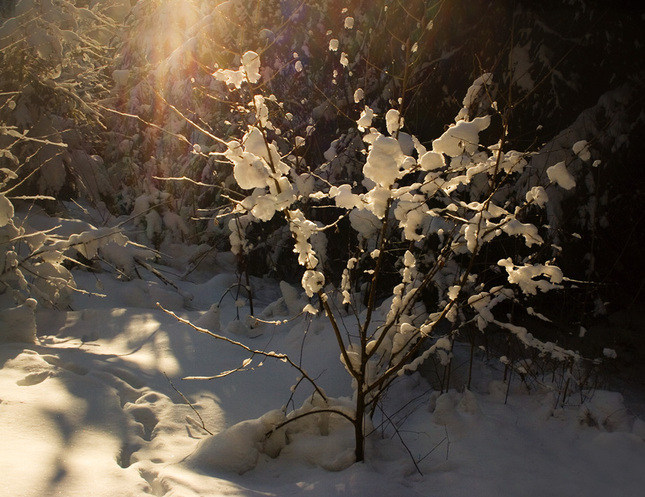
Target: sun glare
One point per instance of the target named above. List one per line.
(169, 28)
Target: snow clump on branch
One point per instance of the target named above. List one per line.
(249, 71)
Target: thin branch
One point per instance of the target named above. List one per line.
(398, 434)
(191, 122)
(310, 413)
(147, 123)
(199, 183)
(273, 355)
(189, 404)
(339, 337)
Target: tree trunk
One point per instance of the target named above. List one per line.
(359, 424)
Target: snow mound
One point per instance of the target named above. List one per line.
(453, 409)
(311, 435)
(18, 324)
(238, 448)
(607, 411)
(210, 319)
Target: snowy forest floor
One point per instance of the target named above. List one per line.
(93, 408)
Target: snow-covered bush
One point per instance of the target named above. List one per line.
(23, 270)
(35, 261)
(54, 54)
(158, 79)
(36, 258)
(438, 239)
(413, 56)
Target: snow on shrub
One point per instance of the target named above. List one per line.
(34, 263)
(248, 71)
(405, 243)
(238, 448)
(427, 219)
(53, 116)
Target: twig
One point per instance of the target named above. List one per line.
(436, 447)
(154, 271)
(398, 434)
(273, 355)
(310, 413)
(189, 404)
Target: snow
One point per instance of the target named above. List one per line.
(237, 449)
(364, 223)
(524, 276)
(18, 324)
(386, 161)
(393, 121)
(521, 62)
(90, 405)
(6, 210)
(344, 197)
(476, 91)
(538, 195)
(248, 71)
(431, 161)
(559, 175)
(312, 282)
(365, 120)
(462, 137)
(249, 170)
(581, 149)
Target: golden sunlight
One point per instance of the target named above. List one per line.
(168, 28)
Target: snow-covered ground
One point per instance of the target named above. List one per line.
(99, 406)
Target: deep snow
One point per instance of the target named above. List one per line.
(93, 408)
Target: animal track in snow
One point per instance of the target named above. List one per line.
(34, 379)
(156, 485)
(124, 458)
(128, 387)
(46, 360)
(146, 417)
(126, 376)
(68, 366)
